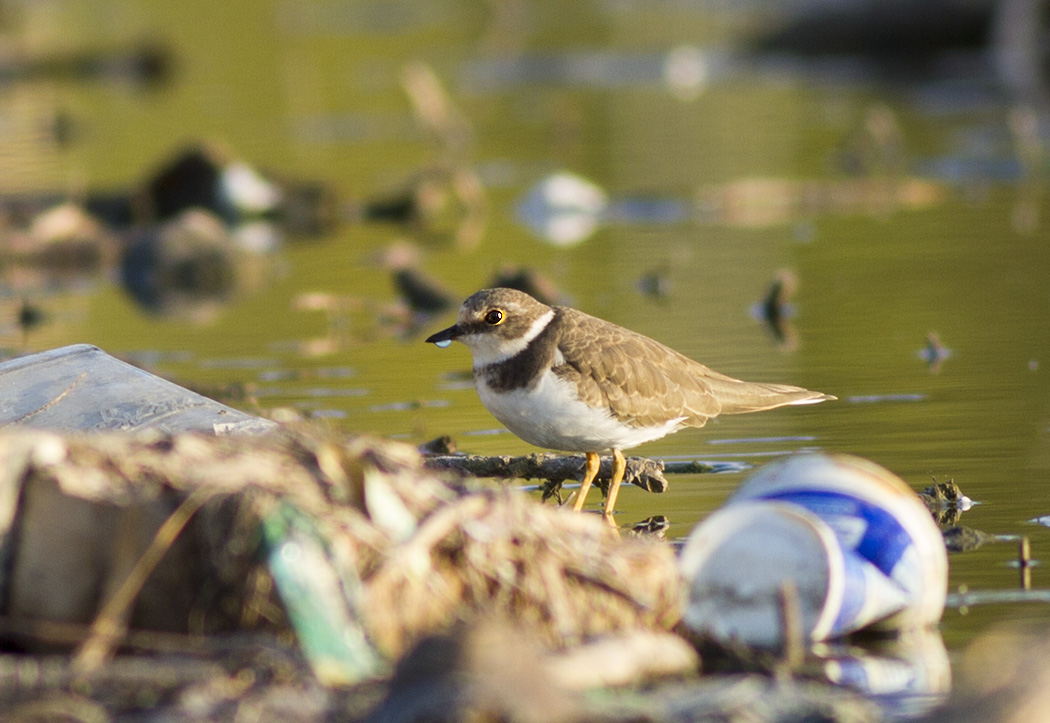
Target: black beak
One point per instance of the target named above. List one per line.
(445, 335)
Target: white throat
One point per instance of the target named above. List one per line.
(492, 348)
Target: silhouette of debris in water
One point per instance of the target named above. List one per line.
(207, 176)
(29, 317)
(945, 501)
(944, 493)
(423, 295)
(775, 310)
(655, 526)
(149, 65)
(439, 445)
(896, 35)
(934, 353)
(656, 284)
(529, 281)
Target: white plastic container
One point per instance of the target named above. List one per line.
(874, 514)
(81, 388)
(858, 544)
(739, 558)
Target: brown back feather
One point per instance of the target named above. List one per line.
(645, 383)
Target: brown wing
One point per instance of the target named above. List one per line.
(645, 383)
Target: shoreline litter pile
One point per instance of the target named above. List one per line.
(422, 552)
(164, 557)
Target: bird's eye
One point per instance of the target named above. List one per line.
(494, 317)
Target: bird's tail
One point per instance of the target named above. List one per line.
(739, 397)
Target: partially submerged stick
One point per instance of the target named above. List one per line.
(557, 468)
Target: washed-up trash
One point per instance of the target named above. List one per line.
(362, 545)
(563, 209)
(740, 559)
(376, 529)
(324, 610)
(850, 538)
(82, 388)
(946, 502)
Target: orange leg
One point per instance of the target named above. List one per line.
(589, 473)
(619, 467)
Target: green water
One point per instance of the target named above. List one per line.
(312, 90)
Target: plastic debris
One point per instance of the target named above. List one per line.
(854, 541)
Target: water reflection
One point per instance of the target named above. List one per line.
(183, 267)
(908, 673)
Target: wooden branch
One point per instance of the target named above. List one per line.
(557, 468)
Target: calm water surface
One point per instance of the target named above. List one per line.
(903, 207)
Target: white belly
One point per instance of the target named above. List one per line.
(551, 415)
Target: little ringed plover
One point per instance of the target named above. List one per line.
(564, 380)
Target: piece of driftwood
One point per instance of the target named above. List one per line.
(557, 468)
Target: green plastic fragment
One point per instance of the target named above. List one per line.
(330, 634)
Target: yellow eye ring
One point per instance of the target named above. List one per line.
(493, 317)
